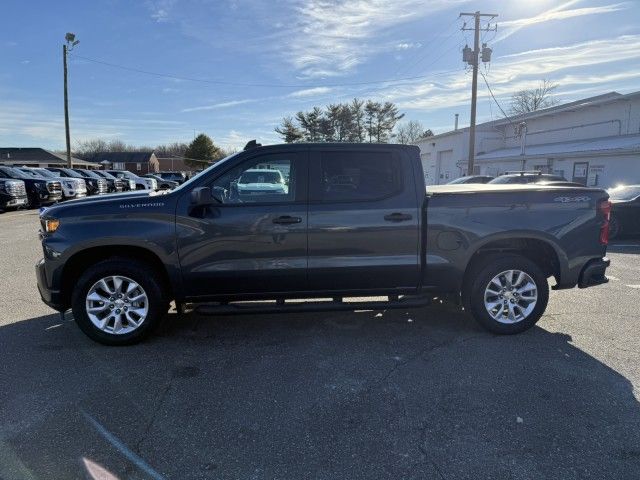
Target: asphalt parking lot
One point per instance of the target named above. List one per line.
(421, 393)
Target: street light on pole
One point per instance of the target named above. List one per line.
(70, 42)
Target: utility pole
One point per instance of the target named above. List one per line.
(70, 42)
(471, 57)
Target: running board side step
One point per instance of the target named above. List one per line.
(281, 306)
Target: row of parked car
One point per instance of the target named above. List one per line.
(513, 178)
(33, 187)
(625, 199)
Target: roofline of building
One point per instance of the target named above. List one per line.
(604, 98)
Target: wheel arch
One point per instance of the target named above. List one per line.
(81, 260)
(541, 251)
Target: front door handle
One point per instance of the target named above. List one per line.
(397, 217)
(287, 220)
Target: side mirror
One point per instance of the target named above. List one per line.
(202, 196)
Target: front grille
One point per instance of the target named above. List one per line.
(16, 189)
(103, 186)
(54, 187)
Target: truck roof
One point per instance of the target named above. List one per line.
(337, 146)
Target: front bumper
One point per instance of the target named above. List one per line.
(51, 297)
(49, 198)
(593, 273)
(15, 202)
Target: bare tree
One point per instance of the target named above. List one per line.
(175, 149)
(410, 132)
(534, 99)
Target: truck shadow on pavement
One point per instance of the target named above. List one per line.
(396, 394)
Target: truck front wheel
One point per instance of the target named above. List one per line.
(506, 294)
(118, 302)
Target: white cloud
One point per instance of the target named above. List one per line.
(524, 70)
(557, 13)
(333, 37)
(232, 140)
(160, 9)
(216, 106)
(408, 45)
(310, 92)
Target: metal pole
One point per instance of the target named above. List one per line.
(474, 94)
(66, 106)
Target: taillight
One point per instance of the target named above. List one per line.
(604, 207)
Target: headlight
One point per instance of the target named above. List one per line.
(132, 184)
(51, 224)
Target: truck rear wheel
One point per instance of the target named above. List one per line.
(506, 294)
(118, 302)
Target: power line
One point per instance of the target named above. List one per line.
(240, 84)
(418, 57)
(495, 100)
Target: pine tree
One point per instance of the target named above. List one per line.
(288, 131)
(202, 150)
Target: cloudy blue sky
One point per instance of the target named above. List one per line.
(234, 68)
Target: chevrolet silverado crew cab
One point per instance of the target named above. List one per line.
(350, 220)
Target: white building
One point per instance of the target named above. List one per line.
(595, 141)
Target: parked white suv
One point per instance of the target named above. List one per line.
(142, 183)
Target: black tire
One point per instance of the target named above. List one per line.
(615, 229)
(483, 272)
(139, 272)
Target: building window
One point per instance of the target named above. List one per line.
(138, 166)
(118, 165)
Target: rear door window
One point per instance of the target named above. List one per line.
(358, 176)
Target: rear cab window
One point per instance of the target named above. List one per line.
(356, 176)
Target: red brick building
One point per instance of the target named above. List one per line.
(135, 162)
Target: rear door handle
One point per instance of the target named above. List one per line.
(287, 220)
(397, 217)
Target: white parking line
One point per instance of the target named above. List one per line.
(122, 448)
(633, 286)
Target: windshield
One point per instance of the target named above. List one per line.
(507, 179)
(30, 172)
(458, 180)
(71, 173)
(261, 176)
(13, 173)
(625, 193)
(531, 178)
(205, 171)
(104, 174)
(44, 173)
(124, 174)
(89, 173)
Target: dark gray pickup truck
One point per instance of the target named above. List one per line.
(285, 223)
